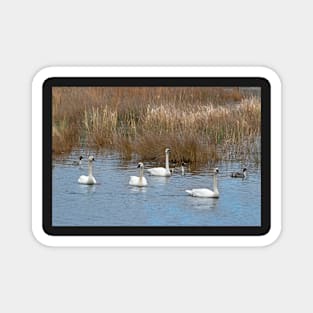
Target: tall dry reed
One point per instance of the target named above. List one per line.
(199, 124)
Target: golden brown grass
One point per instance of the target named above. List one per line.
(199, 124)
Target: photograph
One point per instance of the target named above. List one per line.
(156, 156)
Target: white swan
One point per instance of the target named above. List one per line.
(204, 192)
(88, 180)
(141, 180)
(242, 174)
(183, 168)
(78, 162)
(161, 171)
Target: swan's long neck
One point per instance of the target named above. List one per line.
(140, 173)
(215, 183)
(89, 168)
(167, 165)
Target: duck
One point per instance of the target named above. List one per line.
(161, 171)
(242, 174)
(205, 192)
(88, 180)
(78, 162)
(141, 180)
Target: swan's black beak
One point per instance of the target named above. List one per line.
(138, 165)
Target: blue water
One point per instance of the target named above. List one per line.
(164, 202)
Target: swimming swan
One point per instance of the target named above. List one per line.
(183, 168)
(141, 180)
(204, 192)
(161, 171)
(242, 174)
(88, 180)
(78, 162)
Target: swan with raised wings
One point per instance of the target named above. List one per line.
(88, 180)
(161, 171)
(205, 192)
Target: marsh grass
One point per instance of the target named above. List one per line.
(199, 124)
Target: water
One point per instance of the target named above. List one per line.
(164, 202)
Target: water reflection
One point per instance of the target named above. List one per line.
(87, 189)
(158, 180)
(138, 189)
(202, 203)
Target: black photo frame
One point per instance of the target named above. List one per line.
(47, 208)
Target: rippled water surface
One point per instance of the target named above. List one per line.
(164, 202)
